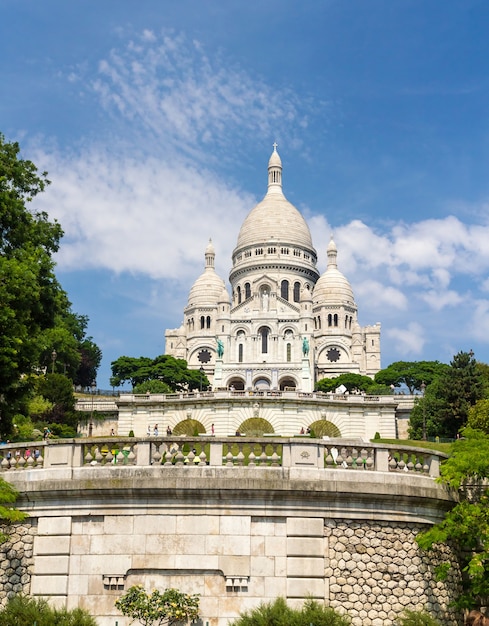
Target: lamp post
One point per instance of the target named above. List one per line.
(423, 388)
(201, 372)
(54, 354)
(93, 386)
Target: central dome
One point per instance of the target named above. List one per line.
(275, 218)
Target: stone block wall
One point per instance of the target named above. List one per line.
(370, 570)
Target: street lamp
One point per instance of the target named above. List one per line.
(93, 386)
(423, 388)
(54, 354)
(201, 373)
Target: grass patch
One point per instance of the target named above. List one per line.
(415, 443)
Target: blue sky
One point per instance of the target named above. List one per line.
(155, 121)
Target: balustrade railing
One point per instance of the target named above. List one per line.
(220, 451)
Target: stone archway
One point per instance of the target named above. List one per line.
(323, 428)
(261, 383)
(256, 427)
(237, 383)
(287, 384)
(189, 427)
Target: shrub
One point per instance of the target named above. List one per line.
(25, 610)
(277, 613)
(417, 618)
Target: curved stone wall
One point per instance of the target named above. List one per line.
(333, 521)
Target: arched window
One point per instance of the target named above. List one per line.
(319, 322)
(238, 291)
(284, 289)
(247, 291)
(208, 321)
(330, 320)
(289, 353)
(336, 319)
(202, 322)
(264, 332)
(297, 292)
(240, 353)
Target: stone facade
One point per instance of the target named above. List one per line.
(285, 326)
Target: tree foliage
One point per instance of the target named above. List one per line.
(165, 368)
(352, 382)
(8, 513)
(278, 613)
(35, 313)
(25, 610)
(58, 390)
(466, 526)
(446, 403)
(412, 374)
(479, 416)
(155, 609)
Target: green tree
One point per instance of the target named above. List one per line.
(35, 313)
(466, 526)
(8, 513)
(152, 386)
(58, 390)
(445, 406)
(165, 368)
(278, 613)
(479, 416)
(28, 287)
(25, 610)
(353, 382)
(412, 374)
(170, 607)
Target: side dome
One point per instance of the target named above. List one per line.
(274, 218)
(208, 288)
(333, 287)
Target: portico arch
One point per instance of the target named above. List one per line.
(287, 383)
(237, 383)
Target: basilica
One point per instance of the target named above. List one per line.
(283, 325)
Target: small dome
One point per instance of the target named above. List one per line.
(332, 287)
(208, 288)
(275, 160)
(225, 296)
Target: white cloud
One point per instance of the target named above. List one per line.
(410, 340)
(380, 295)
(437, 299)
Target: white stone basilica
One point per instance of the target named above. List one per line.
(286, 326)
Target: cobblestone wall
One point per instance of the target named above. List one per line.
(16, 560)
(376, 571)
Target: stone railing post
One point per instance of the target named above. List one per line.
(215, 453)
(287, 454)
(63, 455)
(381, 459)
(144, 453)
(434, 465)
